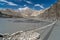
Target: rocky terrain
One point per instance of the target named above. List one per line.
(52, 12)
(25, 12)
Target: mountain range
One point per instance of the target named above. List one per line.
(50, 12)
(22, 12)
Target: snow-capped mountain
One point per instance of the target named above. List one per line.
(24, 12)
(29, 12)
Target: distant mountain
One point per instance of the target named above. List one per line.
(51, 12)
(27, 12)
(23, 12)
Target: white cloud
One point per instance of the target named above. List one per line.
(23, 8)
(29, 2)
(24, 5)
(3, 0)
(39, 5)
(9, 3)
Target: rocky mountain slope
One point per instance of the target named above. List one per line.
(23, 12)
(52, 12)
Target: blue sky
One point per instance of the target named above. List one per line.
(33, 4)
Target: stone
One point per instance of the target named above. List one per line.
(29, 35)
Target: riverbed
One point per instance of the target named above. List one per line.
(11, 25)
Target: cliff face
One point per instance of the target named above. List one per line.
(58, 9)
(52, 12)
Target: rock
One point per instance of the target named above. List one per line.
(29, 35)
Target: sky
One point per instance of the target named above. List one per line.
(33, 4)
